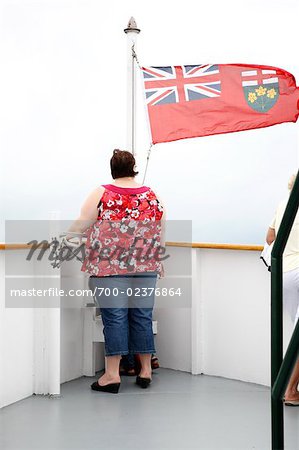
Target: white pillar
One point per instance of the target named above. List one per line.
(47, 331)
(2, 318)
(131, 31)
(196, 316)
(54, 325)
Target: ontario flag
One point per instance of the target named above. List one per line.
(191, 101)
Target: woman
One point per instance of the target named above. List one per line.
(125, 233)
(290, 283)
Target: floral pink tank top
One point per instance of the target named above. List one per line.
(126, 237)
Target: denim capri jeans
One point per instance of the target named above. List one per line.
(126, 303)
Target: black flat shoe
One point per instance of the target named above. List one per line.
(112, 388)
(143, 382)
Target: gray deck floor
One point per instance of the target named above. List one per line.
(178, 411)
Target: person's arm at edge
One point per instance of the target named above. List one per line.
(270, 236)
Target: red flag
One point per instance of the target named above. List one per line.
(192, 101)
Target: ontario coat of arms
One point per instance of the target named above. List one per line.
(261, 89)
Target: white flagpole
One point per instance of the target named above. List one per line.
(131, 31)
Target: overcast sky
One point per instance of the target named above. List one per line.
(63, 108)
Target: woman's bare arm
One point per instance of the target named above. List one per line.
(88, 213)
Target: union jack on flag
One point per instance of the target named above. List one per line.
(177, 84)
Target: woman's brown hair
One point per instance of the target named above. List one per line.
(122, 164)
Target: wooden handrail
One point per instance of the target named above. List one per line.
(19, 246)
(211, 245)
(216, 246)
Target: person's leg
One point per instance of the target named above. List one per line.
(115, 321)
(114, 314)
(127, 365)
(130, 362)
(111, 374)
(141, 340)
(292, 393)
(291, 302)
(146, 367)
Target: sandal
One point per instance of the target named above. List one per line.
(155, 362)
(291, 402)
(130, 372)
(127, 370)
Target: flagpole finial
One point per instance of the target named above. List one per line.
(132, 26)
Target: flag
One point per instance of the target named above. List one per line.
(191, 101)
